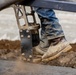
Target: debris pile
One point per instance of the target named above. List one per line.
(11, 50)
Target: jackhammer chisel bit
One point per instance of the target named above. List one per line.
(29, 32)
(26, 44)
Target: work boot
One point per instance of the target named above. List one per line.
(45, 43)
(42, 47)
(56, 48)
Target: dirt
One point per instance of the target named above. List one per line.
(65, 59)
(11, 50)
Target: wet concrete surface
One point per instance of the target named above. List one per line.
(22, 68)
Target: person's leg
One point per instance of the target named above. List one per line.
(51, 28)
(51, 32)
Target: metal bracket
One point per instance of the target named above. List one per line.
(26, 43)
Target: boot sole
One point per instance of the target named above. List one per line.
(66, 49)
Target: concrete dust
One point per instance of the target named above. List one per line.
(33, 69)
(19, 66)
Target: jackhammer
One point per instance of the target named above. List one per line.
(29, 31)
